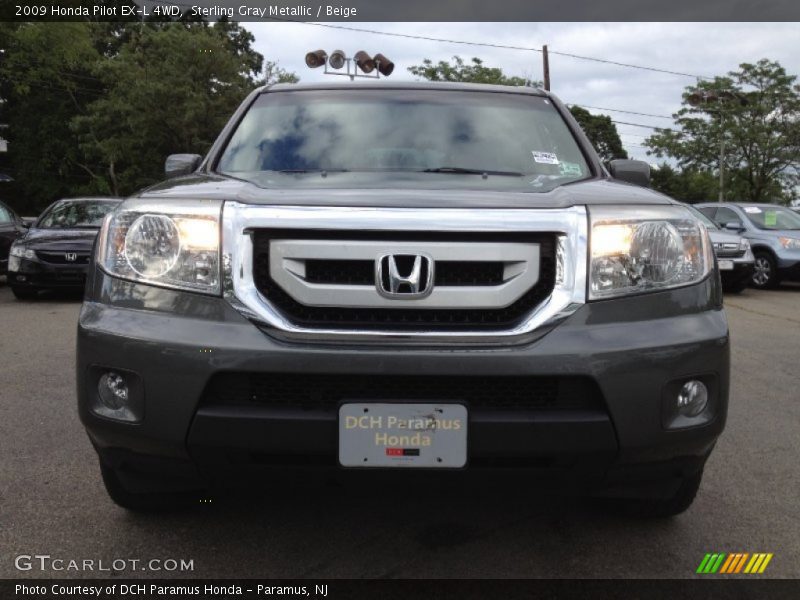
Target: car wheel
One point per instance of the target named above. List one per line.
(23, 293)
(657, 508)
(152, 501)
(765, 271)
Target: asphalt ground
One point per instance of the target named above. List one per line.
(52, 500)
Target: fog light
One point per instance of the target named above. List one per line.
(693, 398)
(113, 390)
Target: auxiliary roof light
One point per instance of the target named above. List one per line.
(385, 66)
(359, 65)
(337, 59)
(316, 59)
(364, 62)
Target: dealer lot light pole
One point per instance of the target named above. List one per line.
(359, 65)
(703, 99)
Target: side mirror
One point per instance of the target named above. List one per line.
(734, 226)
(27, 222)
(181, 164)
(636, 172)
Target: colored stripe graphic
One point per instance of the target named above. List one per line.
(726, 566)
(702, 567)
(764, 564)
(741, 562)
(734, 563)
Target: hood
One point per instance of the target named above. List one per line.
(59, 239)
(397, 191)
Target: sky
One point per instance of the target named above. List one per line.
(704, 49)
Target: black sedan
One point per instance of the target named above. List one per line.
(56, 251)
(11, 228)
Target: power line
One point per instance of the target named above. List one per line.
(490, 45)
(619, 110)
(643, 125)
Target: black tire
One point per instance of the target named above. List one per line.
(765, 271)
(153, 501)
(659, 508)
(23, 293)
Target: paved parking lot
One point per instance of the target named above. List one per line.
(52, 500)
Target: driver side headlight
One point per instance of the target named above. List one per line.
(636, 249)
(172, 244)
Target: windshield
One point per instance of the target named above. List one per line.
(704, 219)
(772, 218)
(75, 214)
(422, 138)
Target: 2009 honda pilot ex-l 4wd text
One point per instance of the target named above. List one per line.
(420, 280)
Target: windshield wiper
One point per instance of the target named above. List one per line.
(461, 171)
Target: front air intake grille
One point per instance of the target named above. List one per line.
(320, 391)
(448, 273)
(60, 258)
(362, 272)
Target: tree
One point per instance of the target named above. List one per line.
(688, 185)
(472, 73)
(47, 79)
(170, 89)
(757, 119)
(602, 132)
(94, 108)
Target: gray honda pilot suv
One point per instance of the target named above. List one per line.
(433, 281)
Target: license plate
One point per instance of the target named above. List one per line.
(725, 265)
(403, 435)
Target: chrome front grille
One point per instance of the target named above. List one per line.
(525, 278)
(499, 276)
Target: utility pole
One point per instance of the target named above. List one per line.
(546, 68)
(722, 161)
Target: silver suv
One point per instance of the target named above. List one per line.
(774, 234)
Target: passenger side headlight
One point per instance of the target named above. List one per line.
(636, 249)
(172, 244)
(21, 251)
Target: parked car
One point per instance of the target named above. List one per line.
(450, 284)
(774, 234)
(55, 251)
(734, 257)
(11, 227)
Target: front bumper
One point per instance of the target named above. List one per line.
(36, 274)
(742, 270)
(176, 343)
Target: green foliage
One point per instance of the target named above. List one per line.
(759, 121)
(95, 108)
(467, 73)
(687, 185)
(47, 79)
(602, 132)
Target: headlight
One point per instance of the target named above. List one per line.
(638, 249)
(172, 244)
(744, 244)
(22, 252)
(789, 243)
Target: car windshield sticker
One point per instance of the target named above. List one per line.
(770, 218)
(545, 158)
(753, 210)
(568, 168)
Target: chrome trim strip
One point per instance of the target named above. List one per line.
(568, 295)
